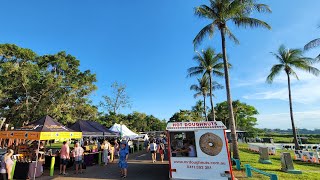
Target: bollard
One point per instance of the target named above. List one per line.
(248, 170)
(237, 161)
(99, 158)
(273, 177)
(13, 168)
(53, 159)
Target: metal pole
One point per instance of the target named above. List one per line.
(35, 168)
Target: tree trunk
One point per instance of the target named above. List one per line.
(295, 139)
(204, 107)
(211, 101)
(229, 100)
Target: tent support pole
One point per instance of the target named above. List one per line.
(37, 155)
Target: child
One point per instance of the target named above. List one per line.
(123, 159)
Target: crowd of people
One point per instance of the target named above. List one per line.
(156, 146)
(110, 150)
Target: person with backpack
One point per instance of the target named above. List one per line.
(161, 150)
(153, 150)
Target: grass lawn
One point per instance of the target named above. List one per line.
(309, 171)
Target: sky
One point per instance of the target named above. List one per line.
(147, 45)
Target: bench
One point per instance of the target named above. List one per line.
(249, 173)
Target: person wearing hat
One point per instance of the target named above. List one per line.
(123, 159)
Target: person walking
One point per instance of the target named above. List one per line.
(106, 149)
(6, 165)
(161, 150)
(153, 151)
(78, 157)
(146, 145)
(123, 159)
(116, 149)
(64, 157)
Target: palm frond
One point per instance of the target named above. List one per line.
(294, 74)
(275, 70)
(204, 11)
(194, 71)
(208, 29)
(231, 36)
(216, 85)
(262, 8)
(312, 44)
(197, 95)
(194, 87)
(310, 69)
(250, 22)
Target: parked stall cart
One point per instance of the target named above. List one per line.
(198, 150)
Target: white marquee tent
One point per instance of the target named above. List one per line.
(124, 130)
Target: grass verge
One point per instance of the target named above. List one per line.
(309, 171)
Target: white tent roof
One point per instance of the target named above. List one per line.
(125, 131)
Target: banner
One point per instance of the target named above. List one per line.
(60, 135)
(39, 135)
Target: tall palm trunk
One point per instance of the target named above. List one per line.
(229, 100)
(295, 139)
(211, 101)
(204, 107)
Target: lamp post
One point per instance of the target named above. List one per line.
(120, 130)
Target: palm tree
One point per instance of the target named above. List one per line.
(198, 110)
(312, 44)
(220, 12)
(209, 64)
(289, 59)
(202, 89)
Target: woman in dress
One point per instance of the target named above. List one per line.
(116, 149)
(6, 165)
(123, 159)
(106, 148)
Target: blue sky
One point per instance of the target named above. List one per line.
(147, 45)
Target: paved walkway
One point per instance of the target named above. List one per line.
(140, 167)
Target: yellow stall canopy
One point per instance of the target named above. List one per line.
(45, 128)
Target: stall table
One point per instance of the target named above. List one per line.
(91, 158)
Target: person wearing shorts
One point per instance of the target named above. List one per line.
(161, 150)
(78, 157)
(64, 157)
(153, 151)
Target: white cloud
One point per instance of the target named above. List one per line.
(306, 119)
(305, 90)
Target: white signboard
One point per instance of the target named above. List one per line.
(212, 161)
(180, 126)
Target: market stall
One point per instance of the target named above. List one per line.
(124, 131)
(20, 139)
(90, 130)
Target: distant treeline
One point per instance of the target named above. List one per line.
(288, 132)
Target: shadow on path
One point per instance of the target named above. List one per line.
(140, 167)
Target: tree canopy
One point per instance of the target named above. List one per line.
(136, 121)
(32, 86)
